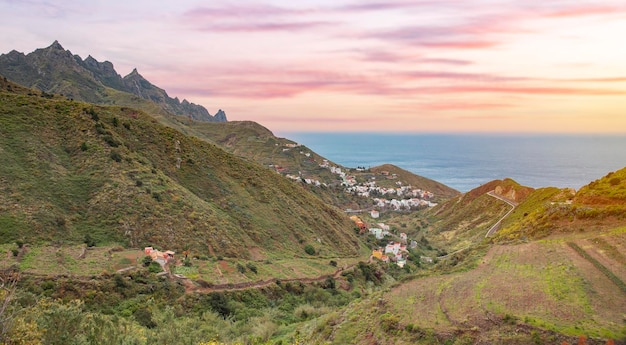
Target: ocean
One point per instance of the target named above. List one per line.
(464, 161)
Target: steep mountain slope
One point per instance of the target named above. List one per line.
(56, 70)
(72, 169)
(597, 206)
(465, 219)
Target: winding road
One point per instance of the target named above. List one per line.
(496, 226)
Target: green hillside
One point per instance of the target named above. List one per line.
(599, 205)
(542, 292)
(72, 170)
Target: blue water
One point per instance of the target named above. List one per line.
(464, 162)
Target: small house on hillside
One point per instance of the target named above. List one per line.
(403, 237)
(378, 233)
(159, 256)
(374, 214)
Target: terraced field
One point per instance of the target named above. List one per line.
(545, 284)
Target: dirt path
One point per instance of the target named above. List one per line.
(190, 286)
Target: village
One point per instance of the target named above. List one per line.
(400, 198)
(394, 251)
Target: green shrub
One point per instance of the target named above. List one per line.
(154, 267)
(187, 262)
(116, 156)
(157, 196)
(110, 140)
(240, 268)
(251, 267)
(146, 261)
(144, 317)
(89, 241)
(309, 249)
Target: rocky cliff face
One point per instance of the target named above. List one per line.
(56, 70)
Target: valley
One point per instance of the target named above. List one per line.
(260, 245)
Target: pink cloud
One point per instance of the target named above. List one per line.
(265, 27)
(593, 80)
(456, 106)
(388, 5)
(229, 12)
(585, 10)
(525, 90)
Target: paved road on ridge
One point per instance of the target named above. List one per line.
(495, 227)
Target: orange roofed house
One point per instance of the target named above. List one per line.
(159, 256)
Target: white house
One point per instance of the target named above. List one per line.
(393, 247)
(377, 232)
(374, 214)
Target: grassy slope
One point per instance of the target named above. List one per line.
(464, 220)
(59, 182)
(540, 291)
(551, 290)
(596, 206)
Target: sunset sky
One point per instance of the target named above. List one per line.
(343, 65)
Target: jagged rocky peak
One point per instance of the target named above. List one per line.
(56, 46)
(55, 69)
(220, 116)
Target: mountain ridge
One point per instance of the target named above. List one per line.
(56, 70)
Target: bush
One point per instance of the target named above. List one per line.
(116, 156)
(333, 263)
(146, 261)
(187, 262)
(110, 140)
(154, 267)
(240, 268)
(156, 196)
(251, 267)
(309, 249)
(90, 241)
(144, 317)
(83, 146)
(92, 112)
